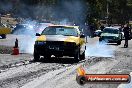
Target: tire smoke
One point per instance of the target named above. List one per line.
(100, 50)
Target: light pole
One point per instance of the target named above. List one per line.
(0, 19)
(107, 11)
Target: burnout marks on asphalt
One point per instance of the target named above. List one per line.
(20, 73)
(11, 65)
(94, 60)
(98, 64)
(52, 77)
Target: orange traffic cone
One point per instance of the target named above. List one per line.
(15, 50)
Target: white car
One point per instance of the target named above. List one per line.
(97, 33)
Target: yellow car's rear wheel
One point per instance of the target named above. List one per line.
(3, 36)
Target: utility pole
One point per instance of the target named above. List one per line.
(107, 12)
(0, 19)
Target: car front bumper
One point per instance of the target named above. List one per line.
(55, 50)
(110, 40)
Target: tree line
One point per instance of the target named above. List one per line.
(114, 11)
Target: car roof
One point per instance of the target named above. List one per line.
(67, 26)
(97, 30)
(64, 26)
(115, 28)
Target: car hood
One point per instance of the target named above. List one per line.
(58, 38)
(109, 34)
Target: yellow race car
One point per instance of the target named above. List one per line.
(60, 40)
(4, 31)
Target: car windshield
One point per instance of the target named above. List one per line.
(110, 30)
(21, 26)
(66, 31)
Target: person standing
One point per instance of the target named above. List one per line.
(126, 31)
(102, 27)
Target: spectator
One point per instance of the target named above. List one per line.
(102, 27)
(92, 29)
(126, 31)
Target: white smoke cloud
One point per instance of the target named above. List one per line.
(100, 50)
(64, 13)
(26, 44)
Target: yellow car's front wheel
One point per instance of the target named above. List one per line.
(82, 56)
(36, 56)
(3, 36)
(77, 55)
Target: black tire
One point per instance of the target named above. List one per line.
(3, 36)
(125, 46)
(100, 40)
(36, 56)
(77, 56)
(82, 57)
(119, 43)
